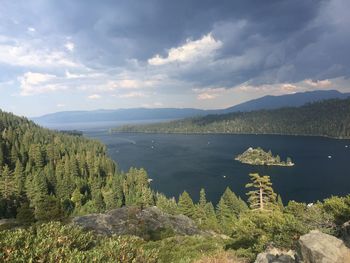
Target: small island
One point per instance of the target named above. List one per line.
(259, 157)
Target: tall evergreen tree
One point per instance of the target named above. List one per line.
(225, 216)
(185, 205)
(168, 205)
(19, 177)
(8, 186)
(262, 197)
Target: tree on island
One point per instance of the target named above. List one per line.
(263, 197)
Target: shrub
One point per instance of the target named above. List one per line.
(54, 242)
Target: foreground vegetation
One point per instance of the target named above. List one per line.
(48, 176)
(329, 118)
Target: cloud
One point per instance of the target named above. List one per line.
(60, 105)
(94, 97)
(153, 105)
(289, 88)
(132, 95)
(206, 96)
(69, 46)
(129, 47)
(318, 83)
(37, 83)
(24, 55)
(190, 51)
(31, 29)
(208, 93)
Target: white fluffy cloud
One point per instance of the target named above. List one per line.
(69, 46)
(190, 51)
(28, 53)
(36, 83)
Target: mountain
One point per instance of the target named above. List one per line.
(289, 100)
(145, 114)
(329, 118)
(118, 115)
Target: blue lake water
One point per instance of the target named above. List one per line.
(190, 162)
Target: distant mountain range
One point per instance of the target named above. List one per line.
(140, 114)
(289, 100)
(330, 118)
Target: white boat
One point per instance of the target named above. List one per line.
(329, 156)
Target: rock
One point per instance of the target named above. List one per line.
(149, 223)
(317, 247)
(274, 255)
(345, 233)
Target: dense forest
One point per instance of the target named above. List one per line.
(53, 174)
(48, 176)
(329, 118)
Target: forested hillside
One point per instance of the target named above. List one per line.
(46, 174)
(49, 176)
(326, 118)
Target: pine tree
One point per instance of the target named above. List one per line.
(48, 209)
(8, 186)
(225, 216)
(280, 203)
(210, 222)
(185, 205)
(202, 198)
(2, 155)
(40, 190)
(112, 192)
(200, 208)
(263, 197)
(147, 198)
(25, 214)
(77, 198)
(168, 205)
(235, 204)
(19, 177)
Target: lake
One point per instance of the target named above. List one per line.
(189, 162)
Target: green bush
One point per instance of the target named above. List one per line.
(339, 208)
(311, 217)
(254, 230)
(185, 248)
(54, 242)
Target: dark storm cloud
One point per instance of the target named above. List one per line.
(266, 41)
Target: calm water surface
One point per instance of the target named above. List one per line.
(190, 162)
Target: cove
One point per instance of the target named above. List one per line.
(178, 162)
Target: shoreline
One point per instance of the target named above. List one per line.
(227, 133)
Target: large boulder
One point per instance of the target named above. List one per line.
(345, 233)
(149, 223)
(274, 255)
(317, 247)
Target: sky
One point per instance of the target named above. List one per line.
(84, 54)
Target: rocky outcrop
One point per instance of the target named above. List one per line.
(274, 255)
(314, 247)
(317, 247)
(149, 223)
(345, 233)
